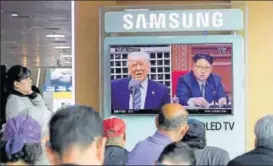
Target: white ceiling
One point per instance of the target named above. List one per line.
(23, 37)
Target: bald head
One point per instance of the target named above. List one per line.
(172, 116)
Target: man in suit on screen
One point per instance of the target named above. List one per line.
(200, 87)
(137, 91)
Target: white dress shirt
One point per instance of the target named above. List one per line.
(143, 91)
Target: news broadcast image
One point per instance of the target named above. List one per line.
(145, 77)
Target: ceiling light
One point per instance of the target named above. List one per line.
(65, 56)
(58, 18)
(55, 36)
(62, 47)
(14, 15)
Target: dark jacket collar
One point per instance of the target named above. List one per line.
(31, 96)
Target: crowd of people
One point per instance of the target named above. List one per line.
(78, 135)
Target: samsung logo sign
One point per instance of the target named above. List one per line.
(173, 20)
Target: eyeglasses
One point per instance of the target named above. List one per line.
(204, 67)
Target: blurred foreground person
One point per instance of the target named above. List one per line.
(21, 144)
(114, 130)
(177, 153)
(263, 152)
(75, 137)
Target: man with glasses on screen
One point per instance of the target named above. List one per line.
(137, 91)
(200, 87)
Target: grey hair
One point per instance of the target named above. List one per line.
(264, 132)
(138, 55)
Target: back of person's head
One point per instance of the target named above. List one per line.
(75, 136)
(16, 73)
(177, 153)
(114, 130)
(21, 141)
(264, 132)
(172, 119)
(196, 135)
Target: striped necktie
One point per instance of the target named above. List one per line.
(137, 99)
(203, 89)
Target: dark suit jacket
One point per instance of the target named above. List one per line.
(188, 87)
(157, 94)
(258, 156)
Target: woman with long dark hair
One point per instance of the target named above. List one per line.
(22, 100)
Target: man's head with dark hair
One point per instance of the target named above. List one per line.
(177, 153)
(75, 136)
(196, 135)
(172, 120)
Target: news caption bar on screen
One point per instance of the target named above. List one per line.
(191, 111)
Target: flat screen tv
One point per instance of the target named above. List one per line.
(141, 74)
(145, 77)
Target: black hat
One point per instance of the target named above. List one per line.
(203, 56)
(196, 129)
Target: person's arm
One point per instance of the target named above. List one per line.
(38, 111)
(166, 98)
(220, 88)
(38, 101)
(182, 91)
(14, 106)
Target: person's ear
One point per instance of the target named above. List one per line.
(45, 139)
(16, 84)
(124, 137)
(101, 149)
(184, 130)
(255, 142)
(156, 122)
(149, 67)
(51, 155)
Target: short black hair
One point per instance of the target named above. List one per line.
(203, 56)
(196, 134)
(74, 125)
(171, 123)
(195, 142)
(16, 73)
(30, 153)
(178, 153)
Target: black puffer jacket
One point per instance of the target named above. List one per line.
(115, 155)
